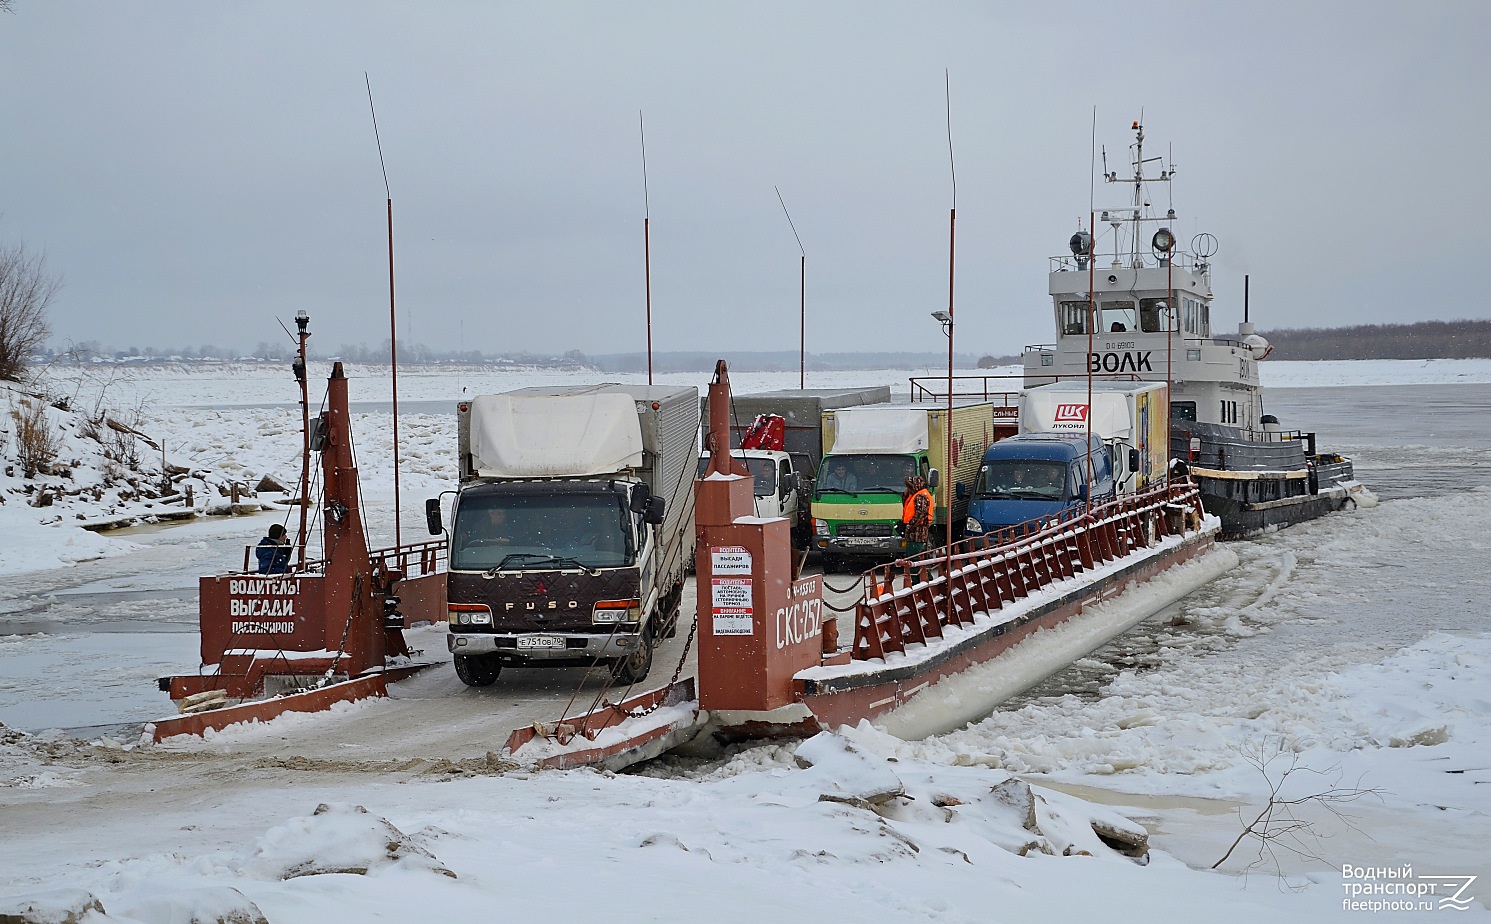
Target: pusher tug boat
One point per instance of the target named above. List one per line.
(930, 647)
(1150, 321)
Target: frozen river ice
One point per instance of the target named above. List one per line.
(1359, 642)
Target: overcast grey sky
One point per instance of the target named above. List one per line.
(197, 169)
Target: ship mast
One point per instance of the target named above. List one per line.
(1136, 210)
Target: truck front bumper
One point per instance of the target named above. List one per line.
(579, 647)
(860, 546)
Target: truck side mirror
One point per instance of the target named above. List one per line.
(1082, 493)
(654, 512)
(789, 483)
(933, 478)
(961, 490)
(641, 496)
(1133, 460)
(432, 516)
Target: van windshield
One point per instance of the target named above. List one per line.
(1015, 479)
(540, 532)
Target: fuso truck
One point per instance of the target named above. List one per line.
(571, 527)
(867, 454)
(1131, 417)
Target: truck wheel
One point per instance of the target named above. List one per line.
(634, 667)
(477, 670)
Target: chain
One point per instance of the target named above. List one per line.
(677, 671)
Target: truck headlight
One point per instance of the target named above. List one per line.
(820, 527)
(469, 614)
(607, 612)
(973, 526)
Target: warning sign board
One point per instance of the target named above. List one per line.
(729, 559)
(731, 606)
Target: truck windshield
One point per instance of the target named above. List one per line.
(865, 474)
(763, 474)
(516, 532)
(1017, 479)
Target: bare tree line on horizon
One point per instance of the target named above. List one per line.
(1463, 339)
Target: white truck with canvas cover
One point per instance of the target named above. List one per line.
(571, 527)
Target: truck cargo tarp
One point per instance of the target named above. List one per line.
(541, 436)
(880, 430)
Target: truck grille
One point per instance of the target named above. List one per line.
(865, 529)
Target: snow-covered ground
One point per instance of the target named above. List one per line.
(1354, 649)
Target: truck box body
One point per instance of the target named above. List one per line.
(803, 410)
(1127, 415)
(878, 447)
(551, 558)
(1034, 476)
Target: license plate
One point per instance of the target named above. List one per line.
(540, 641)
(861, 540)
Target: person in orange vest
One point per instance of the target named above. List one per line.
(916, 514)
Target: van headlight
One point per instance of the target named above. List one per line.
(820, 527)
(973, 526)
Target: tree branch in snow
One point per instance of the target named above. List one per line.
(1279, 825)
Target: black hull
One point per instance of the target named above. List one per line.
(1241, 520)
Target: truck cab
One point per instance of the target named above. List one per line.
(774, 482)
(857, 502)
(860, 490)
(1037, 476)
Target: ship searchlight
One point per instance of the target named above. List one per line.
(1081, 245)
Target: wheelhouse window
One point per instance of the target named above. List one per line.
(1182, 410)
(1118, 317)
(1154, 315)
(1195, 316)
(1072, 318)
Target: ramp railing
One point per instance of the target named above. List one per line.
(915, 599)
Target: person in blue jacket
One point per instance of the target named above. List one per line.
(274, 551)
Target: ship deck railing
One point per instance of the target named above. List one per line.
(1184, 341)
(411, 560)
(914, 600)
(1102, 263)
(1001, 390)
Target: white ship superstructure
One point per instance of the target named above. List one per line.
(1150, 307)
(1133, 306)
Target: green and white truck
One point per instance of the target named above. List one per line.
(867, 454)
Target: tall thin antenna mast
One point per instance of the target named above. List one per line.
(802, 298)
(952, 237)
(393, 328)
(646, 241)
(1091, 264)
